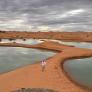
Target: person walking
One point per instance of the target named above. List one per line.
(43, 64)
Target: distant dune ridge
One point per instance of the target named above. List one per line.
(64, 36)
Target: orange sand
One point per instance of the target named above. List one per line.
(64, 36)
(53, 77)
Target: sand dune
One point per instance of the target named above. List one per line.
(64, 36)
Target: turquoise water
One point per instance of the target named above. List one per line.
(15, 57)
(80, 70)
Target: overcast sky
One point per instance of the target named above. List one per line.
(56, 15)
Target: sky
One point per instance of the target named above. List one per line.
(46, 15)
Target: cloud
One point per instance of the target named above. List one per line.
(71, 13)
(34, 15)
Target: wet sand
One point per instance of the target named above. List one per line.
(53, 77)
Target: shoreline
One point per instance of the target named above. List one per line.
(55, 64)
(67, 75)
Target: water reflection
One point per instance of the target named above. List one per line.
(26, 41)
(80, 70)
(77, 44)
(37, 41)
(15, 57)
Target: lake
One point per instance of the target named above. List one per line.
(27, 41)
(15, 57)
(37, 41)
(80, 70)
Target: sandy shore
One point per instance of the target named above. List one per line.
(53, 77)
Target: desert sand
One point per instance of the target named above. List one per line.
(54, 77)
(64, 36)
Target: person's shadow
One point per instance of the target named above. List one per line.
(34, 90)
